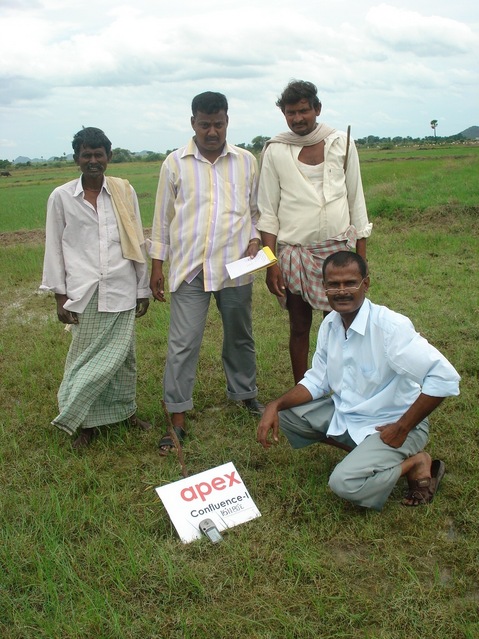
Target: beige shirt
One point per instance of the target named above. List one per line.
(294, 210)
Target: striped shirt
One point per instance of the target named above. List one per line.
(205, 215)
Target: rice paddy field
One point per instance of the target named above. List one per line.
(87, 549)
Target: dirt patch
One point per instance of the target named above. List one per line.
(36, 236)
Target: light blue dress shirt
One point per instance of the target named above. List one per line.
(375, 370)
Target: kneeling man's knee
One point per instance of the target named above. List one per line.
(355, 489)
(339, 484)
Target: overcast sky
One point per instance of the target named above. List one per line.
(132, 68)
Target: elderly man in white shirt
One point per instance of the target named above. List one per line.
(95, 264)
(373, 382)
(311, 204)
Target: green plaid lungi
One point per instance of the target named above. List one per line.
(99, 383)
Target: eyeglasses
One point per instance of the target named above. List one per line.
(345, 289)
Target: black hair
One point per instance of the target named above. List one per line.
(92, 137)
(298, 90)
(343, 258)
(209, 102)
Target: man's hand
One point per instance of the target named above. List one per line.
(253, 248)
(274, 281)
(157, 281)
(65, 316)
(297, 395)
(269, 421)
(142, 304)
(393, 435)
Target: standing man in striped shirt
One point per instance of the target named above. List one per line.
(205, 217)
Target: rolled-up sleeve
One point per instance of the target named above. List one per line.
(411, 354)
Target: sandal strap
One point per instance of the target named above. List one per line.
(422, 483)
(180, 433)
(418, 496)
(166, 440)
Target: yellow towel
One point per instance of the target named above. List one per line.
(131, 233)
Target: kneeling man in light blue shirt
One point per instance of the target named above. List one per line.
(372, 384)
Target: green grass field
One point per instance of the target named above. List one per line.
(87, 549)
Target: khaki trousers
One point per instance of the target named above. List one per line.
(368, 474)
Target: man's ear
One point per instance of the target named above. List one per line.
(192, 121)
(367, 282)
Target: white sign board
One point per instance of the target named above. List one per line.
(218, 494)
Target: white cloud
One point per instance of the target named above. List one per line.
(404, 30)
(6, 143)
(134, 69)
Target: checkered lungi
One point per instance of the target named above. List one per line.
(99, 383)
(301, 267)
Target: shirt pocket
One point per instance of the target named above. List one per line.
(368, 379)
(334, 184)
(234, 197)
(112, 230)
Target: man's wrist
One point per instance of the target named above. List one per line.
(405, 427)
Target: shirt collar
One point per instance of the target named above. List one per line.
(192, 149)
(360, 321)
(79, 187)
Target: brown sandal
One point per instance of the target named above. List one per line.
(167, 443)
(422, 491)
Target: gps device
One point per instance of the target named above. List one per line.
(208, 528)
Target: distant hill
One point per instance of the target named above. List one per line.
(22, 159)
(472, 133)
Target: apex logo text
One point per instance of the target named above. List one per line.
(204, 488)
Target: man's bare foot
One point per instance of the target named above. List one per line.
(136, 422)
(84, 439)
(418, 467)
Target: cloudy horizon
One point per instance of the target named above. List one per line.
(386, 68)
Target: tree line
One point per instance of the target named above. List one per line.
(257, 143)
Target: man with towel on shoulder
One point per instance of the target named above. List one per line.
(95, 265)
(311, 204)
